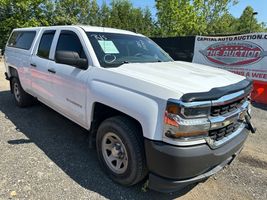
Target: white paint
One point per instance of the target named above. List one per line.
(139, 90)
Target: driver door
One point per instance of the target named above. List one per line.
(69, 82)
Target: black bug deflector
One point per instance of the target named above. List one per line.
(216, 93)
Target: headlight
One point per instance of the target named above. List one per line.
(184, 122)
(195, 111)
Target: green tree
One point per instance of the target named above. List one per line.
(105, 15)
(124, 16)
(248, 23)
(70, 12)
(148, 27)
(227, 24)
(120, 14)
(76, 12)
(93, 16)
(175, 17)
(25, 13)
(212, 14)
(22, 13)
(190, 17)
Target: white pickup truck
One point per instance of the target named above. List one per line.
(175, 123)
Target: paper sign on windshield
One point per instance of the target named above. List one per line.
(108, 46)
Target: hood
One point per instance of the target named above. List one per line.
(182, 77)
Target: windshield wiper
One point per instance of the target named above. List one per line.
(123, 62)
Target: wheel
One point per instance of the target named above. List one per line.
(120, 150)
(22, 98)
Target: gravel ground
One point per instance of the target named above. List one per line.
(45, 156)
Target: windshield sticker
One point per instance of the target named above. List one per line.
(99, 37)
(108, 46)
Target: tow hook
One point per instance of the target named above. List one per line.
(250, 125)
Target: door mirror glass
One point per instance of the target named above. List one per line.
(71, 58)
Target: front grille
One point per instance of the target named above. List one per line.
(220, 133)
(226, 108)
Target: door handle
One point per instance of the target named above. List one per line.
(33, 65)
(52, 71)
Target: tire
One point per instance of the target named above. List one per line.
(22, 98)
(127, 144)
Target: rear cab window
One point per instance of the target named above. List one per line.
(21, 39)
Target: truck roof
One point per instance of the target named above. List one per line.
(86, 28)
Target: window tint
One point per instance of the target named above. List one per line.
(45, 44)
(22, 39)
(69, 41)
(13, 38)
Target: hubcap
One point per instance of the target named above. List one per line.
(17, 92)
(114, 153)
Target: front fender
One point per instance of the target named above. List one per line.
(147, 110)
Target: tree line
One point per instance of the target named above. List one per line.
(173, 17)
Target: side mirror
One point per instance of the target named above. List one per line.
(71, 58)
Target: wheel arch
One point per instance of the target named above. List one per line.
(101, 112)
(13, 74)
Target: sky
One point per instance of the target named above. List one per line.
(259, 6)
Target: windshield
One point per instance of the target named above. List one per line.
(113, 49)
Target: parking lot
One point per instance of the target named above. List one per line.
(45, 156)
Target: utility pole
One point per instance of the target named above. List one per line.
(253, 14)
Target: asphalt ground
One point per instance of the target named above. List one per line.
(45, 156)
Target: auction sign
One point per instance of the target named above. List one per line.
(245, 55)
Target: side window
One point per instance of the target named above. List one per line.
(12, 40)
(45, 44)
(21, 39)
(69, 41)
